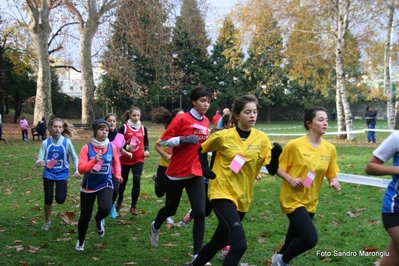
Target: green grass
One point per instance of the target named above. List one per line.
(346, 221)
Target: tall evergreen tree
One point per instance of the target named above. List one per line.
(138, 59)
(189, 45)
(227, 66)
(265, 65)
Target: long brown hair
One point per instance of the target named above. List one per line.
(68, 132)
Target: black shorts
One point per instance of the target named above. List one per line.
(390, 220)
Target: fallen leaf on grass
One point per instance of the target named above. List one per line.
(144, 196)
(267, 262)
(60, 239)
(36, 208)
(374, 221)
(324, 259)
(169, 245)
(32, 221)
(122, 222)
(33, 249)
(67, 217)
(17, 248)
(370, 249)
(23, 263)
(130, 263)
(351, 214)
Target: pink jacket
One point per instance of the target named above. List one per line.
(23, 124)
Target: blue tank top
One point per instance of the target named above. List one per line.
(96, 180)
(390, 203)
(60, 171)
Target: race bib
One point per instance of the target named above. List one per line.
(237, 163)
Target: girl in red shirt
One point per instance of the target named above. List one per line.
(136, 139)
(185, 134)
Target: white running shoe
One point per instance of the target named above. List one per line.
(154, 235)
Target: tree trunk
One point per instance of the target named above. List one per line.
(40, 28)
(342, 94)
(87, 34)
(387, 69)
(268, 113)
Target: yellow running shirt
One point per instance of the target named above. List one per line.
(162, 161)
(237, 187)
(297, 159)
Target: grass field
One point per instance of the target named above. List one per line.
(348, 222)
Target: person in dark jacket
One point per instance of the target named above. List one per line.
(371, 119)
(41, 128)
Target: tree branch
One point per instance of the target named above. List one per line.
(59, 30)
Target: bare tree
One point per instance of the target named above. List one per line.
(39, 26)
(89, 15)
(388, 65)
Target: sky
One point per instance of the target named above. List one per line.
(219, 8)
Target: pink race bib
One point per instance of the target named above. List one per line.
(50, 164)
(309, 179)
(237, 163)
(97, 166)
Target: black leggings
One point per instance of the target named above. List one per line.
(61, 187)
(160, 188)
(208, 204)
(116, 184)
(301, 235)
(196, 194)
(24, 134)
(229, 230)
(104, 203)
(137, 170)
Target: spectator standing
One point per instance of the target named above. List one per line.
(215, 118)
(334, 114)
(371, 120)
(23, 125)
(41, 128)
(220, 122)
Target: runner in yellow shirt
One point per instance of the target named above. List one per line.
(240, 153)
(304, 163)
